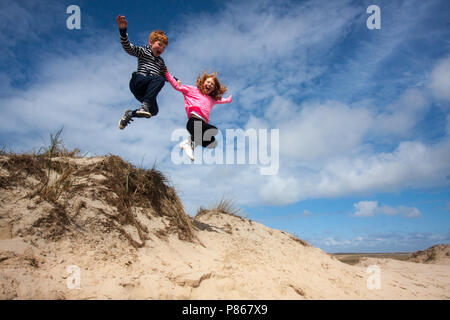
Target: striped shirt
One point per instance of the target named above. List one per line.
(147, 62)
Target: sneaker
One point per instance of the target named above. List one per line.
(182, 143)
(143, 111)
(188, 147)
(126, 118)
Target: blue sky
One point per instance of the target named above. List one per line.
(363, 115)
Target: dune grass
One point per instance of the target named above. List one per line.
(125, 187)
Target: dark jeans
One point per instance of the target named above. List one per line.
(205, 140)
(146, 88)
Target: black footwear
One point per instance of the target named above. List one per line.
(126, 118)
(143, 111)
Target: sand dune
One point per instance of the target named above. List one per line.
(98, 220)
(437, 254)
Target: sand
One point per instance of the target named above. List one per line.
(230, 257)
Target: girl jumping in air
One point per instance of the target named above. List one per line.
(199, 101)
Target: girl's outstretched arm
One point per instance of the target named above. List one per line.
(176, 84)
(226, 100)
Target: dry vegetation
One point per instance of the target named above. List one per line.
(224, 206)
(436, 253)
(57, 176)
(354, 258)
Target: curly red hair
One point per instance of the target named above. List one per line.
(219, 89)
(158, 35)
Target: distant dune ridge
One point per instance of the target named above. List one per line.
(74, 227)
(438, 254)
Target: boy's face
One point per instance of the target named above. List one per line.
(209, 85)
(157, 48)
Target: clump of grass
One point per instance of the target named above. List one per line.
(224, 206)
(51, 191)
(227, 206)
(201, 211)
(297, 239)
(145, 188)
(56, 147)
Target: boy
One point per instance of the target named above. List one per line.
(149, 79)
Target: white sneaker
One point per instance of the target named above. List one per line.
(188, 147)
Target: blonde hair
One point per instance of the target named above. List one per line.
(158, 35)
(219, 89)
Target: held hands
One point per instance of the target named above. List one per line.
(121, 22)
(167, 70)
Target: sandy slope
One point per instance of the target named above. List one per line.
(239, 259)
(230, 258)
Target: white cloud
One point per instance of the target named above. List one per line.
(330, 241)
(280, 191)
(262, 46)
(322, 130)
(401, 210)
(440, 80)
(370, 208)
(411, 164)
(266, 58)
(402, 115)
(396, 241)
(365, 208)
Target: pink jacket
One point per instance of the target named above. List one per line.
(195, 100)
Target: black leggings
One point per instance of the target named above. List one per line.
(207, 139)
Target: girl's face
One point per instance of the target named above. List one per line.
(209, 85)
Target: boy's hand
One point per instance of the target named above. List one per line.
(121, 22)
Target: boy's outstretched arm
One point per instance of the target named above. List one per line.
(126, 44)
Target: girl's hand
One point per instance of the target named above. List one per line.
(167, 71)
(121, 22)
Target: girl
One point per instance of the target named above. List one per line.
(198, 102)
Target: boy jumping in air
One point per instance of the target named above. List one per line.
(149, 78)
